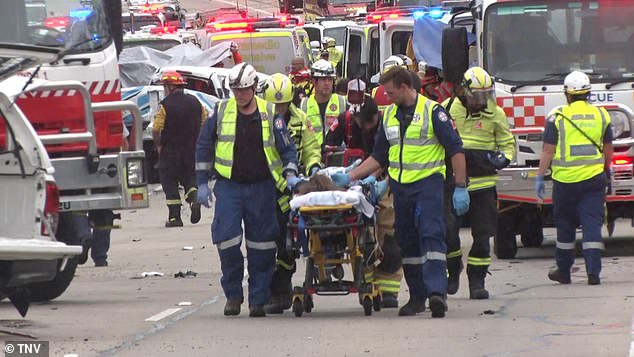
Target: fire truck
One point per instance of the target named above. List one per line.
(74, 104)
(595, 37)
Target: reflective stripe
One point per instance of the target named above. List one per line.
(427, 165)
(176, 202)
(565, 246)
(284, 203)
(478, 261)
(230, 243)
(290, 166)
(226, 138)
(583, 150)
(479, 183)
(578, 162)
(593, 245)
(283, 264)
(224, 162)
(389, 286)
(423, 260)
(455, 253)
(369, 277)
(203, 166)
(261, 245)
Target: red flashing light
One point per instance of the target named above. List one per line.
(57, 22)
(624, 160)
(378, 17)
(164, 29)
(51, 208)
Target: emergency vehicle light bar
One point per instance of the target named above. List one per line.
(251, 24)
(165, 29)
(57, 22)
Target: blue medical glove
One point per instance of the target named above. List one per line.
(292, 181)
(370, 180)
(356, 163)
(204, 195)
(314, 170)
(498, 160)
(341, 180)
(381, 188)
(540, 187)
(461, 200)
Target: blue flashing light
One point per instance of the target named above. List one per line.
(418, 14)
(80, 14)
(436, 13)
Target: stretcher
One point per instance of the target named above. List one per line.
(332, 237)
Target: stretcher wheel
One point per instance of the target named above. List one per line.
(298, 308)
(308, 303)
(367, 306)
(310, 269)
(376, 303)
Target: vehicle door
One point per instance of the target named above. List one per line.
(355, 53)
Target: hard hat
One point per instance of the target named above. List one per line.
(242, 75)
(328, 41)
(391, 62)
(278, 89)
(406, 60)
(577, 83)
(301, 76)
(322, 68)
(476, 78)
(173, 78)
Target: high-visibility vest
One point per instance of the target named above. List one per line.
(336, 105)
(303, 134)
(418, 154)
(486, 131)
(381, 99)
(576, 157)
(226, 133)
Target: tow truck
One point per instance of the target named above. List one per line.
(595, 37)
(74, 104)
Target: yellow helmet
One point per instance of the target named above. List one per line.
(279, 89)
(476, 78)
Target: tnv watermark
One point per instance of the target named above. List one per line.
(26, 348)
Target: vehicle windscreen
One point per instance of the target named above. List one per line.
(313, 34)
(267, 52)
(77, 24)
(139, 22)
(338, 33)
(537, 39)
(160, 44)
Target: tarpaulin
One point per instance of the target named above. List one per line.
(427, 40)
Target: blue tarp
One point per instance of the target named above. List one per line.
(427, 40)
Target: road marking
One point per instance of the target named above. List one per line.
(632, 341)
(163, 314)
(233, 3)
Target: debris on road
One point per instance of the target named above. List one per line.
(186, 274)
(184, 303)
(188, 247)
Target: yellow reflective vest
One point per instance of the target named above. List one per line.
(487, 130)
(226, 133)
(577, 158)
(303, 135)
(418, 154)
(336, 105)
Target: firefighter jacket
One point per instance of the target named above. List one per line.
(482, 134)
(302, 133)
(577, 158)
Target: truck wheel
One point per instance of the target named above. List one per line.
(505, 245)
(49, 290)
(533, 234)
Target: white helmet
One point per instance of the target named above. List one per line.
(577, 83)
(322, 68)
(406, 60)
(242, 75)
(391, 62)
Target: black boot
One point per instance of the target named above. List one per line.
(174, 219)
(477, 274)
(454, 268)
(389, 301)
(192, 199)
(437, 305)
(413, 307)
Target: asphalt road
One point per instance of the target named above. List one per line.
(113, 311)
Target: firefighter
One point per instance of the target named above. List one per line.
(356, 130)
(175, 129)
(334, 54)
(279, 90)
(254, 159)
(378, 93)
(578, 143)
(489, 146)
(411, 142)
(300, 77)
(323, 107)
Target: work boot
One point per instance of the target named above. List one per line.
(194, 205)
(454, 268)
(174, 219)
(389, 301)
(276, 305)
(476, 275)
(437, 305)
(413, 307)
(232, 307)
(593, 279)
(560, 277)
(256, 311)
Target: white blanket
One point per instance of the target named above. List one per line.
(353, 196)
